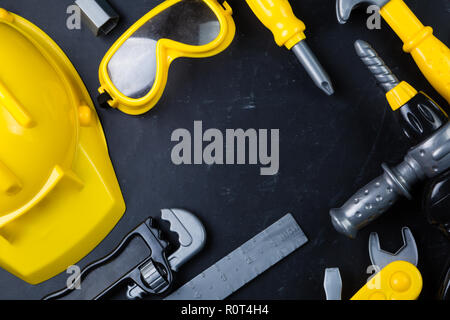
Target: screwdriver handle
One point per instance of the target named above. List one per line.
(278, 17)
(431, 55)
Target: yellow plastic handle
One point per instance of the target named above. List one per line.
(278, 17)
(399, 280)
(431, 55)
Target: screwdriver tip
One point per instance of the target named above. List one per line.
(327, 87)
(313, 67)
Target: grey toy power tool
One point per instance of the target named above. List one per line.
(419, 117)
(426, 160)
(426, 125)
(98, 15)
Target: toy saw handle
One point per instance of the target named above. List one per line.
(431, 55)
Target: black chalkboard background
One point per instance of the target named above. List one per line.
(330, 146)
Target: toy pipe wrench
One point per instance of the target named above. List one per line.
(99, 16)
(431, 55)
(141, 259)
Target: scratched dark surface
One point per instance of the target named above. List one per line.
(330, 146)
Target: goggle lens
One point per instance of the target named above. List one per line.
(133, 67)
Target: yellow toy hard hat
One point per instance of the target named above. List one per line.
(59, 196)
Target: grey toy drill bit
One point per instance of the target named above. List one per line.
(385, 78)
(417, 114)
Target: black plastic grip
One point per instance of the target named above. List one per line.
(123, 264)
(420, 118)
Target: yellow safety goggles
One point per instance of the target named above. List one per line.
(133, 73)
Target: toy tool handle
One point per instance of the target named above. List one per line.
(101, 277)
(278, 17)
(431, 55)
(365, 206)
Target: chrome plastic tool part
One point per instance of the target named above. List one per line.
(141, 259)
(313, 67)
(345, 7)
(99, 16)
(408, 252)
(332, 284)
(385, 77)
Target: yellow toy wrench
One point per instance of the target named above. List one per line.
(398, 278)
(431, 55)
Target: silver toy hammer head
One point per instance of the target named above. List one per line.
(345, 7)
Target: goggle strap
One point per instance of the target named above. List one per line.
(103, 99)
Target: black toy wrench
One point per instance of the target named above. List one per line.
(191, 236)
(141, 259)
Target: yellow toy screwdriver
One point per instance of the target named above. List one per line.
(288, 30)
(431, 55)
